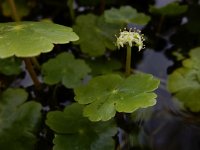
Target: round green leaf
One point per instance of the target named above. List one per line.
(125, 15)
(18, 120)
(27, 39)
(106, 94)
(10, 66)
(184, 82)
(172, 9)
(66, 69)
(95, 34)
(75, 132)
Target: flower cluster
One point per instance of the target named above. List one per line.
(131, 37)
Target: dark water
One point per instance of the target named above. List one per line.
(169, 128)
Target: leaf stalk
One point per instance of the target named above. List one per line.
(32, 72)
(27, 61)
(128, 61)
(14, 10)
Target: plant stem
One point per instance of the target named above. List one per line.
(27, 61)
(128, 61)
(102, 6)
(35, 63)
(32, 73)
(160, 24)
(70, 4)
(14, 10)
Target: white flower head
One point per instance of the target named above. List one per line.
(131, 37)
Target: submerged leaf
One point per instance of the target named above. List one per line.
(101, 66)
(193, 23)
(27, 39)
(95, 34)
(22, 7)
(184, 82)
(18, 120)
(172, 9)
(125, 15)
(106, 94)
(75, 132)
(10, 66)
(66, 69)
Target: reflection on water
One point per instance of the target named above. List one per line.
(160, 3)
(168, 128)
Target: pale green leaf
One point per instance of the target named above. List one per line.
(75, 132)
(18, 120)
(66, 69)
(125, 15)
(172, 9)
(106, 94)
(27, 39)
(184, 82)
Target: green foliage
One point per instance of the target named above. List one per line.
(125, 15)
(66, 69)
(106, 94)
(75, 132)
(95, 34)
(10, 66)
(18, 120)
(194, 21)
(103, 66)
(21, 5)
(76, 127)
(184, 82)
(172, 9)
(95, 2)
(26, 39)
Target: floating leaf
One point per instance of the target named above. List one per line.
(106, 94)
(19, 120)
(10, 66)
(103, 66)
(66, 69)
(95, 34)
(22, 7)
(172, 9)
(125, 15)
(26, 39)
(75, 132)
(185, 81)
